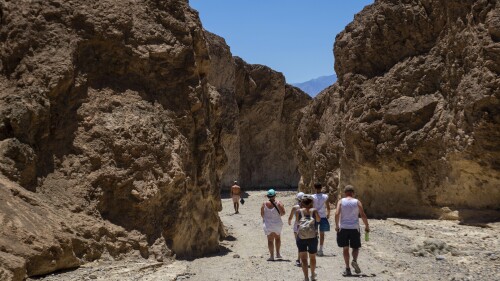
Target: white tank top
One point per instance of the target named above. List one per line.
(349, 213)
(271, 215)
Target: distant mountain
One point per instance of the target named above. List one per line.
(314, 86)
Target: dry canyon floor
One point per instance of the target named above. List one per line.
(399, 249)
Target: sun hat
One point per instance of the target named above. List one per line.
(307, 197)
(349, 188)
(299, 195)
(271, 193)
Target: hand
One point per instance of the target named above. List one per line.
(289, 222)
(337, 229)
(367, 229)
(328, 216)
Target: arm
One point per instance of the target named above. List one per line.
(292, 212)
(363, 216)
(282, 208)
(262, 211)
(337, 216)
(231, 192)
(316, 215)
(328, 209)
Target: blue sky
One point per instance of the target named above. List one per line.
(291, 36)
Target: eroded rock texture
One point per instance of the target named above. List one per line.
(415, 114)
(119, 123)
(260, 116)
(106, 140)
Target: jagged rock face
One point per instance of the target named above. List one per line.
(319, 143)
(418, 106)
(269, 115)
(260, 116)
(221, 77)
(107, 119)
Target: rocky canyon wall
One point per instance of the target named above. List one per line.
(260, 117)
(119, 123)
(106, 140)
(414, 120)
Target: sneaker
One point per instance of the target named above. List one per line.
(298, 264)
(347, 272)
(279, 257)
(270, 259)
(356, 266)
(313, 277)
(320, 253)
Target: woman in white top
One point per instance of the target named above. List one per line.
(271, 212)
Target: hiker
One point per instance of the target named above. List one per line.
(295, 224)
(307, 234)
(347, 226)
(321, 204)
(236, 194)
(271, 212)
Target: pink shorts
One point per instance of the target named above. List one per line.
(236, 198)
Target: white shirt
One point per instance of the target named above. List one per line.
(320, 201)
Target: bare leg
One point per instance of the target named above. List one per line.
(312, 257)
(355, 253)
(321, 239)
(303, 258)
(298, 253)
(270, 244)
(277, 244)
(346, 257)
(237, 207)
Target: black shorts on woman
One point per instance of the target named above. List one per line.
(308, 245)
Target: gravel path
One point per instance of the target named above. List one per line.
(399, 249)
(246, 253)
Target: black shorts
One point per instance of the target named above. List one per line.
(349, 238)
(308, 245)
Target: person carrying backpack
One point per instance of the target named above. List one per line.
(293, 213)
(307, 235)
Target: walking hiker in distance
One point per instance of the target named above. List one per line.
(236, 194)
(307, 235)
(293, 213)
(271, 212)
(347, 226)
(321, 204)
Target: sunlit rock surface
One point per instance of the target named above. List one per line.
(413, 122)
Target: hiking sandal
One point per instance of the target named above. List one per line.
(356, 266)
(347, 272)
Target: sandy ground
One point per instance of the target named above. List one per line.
(399, 249)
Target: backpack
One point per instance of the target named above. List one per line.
(307, 226)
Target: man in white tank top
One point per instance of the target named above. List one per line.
(347, 226)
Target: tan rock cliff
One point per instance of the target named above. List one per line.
(105, 134)
(414, 120)
(259, 123)
(119, 123)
